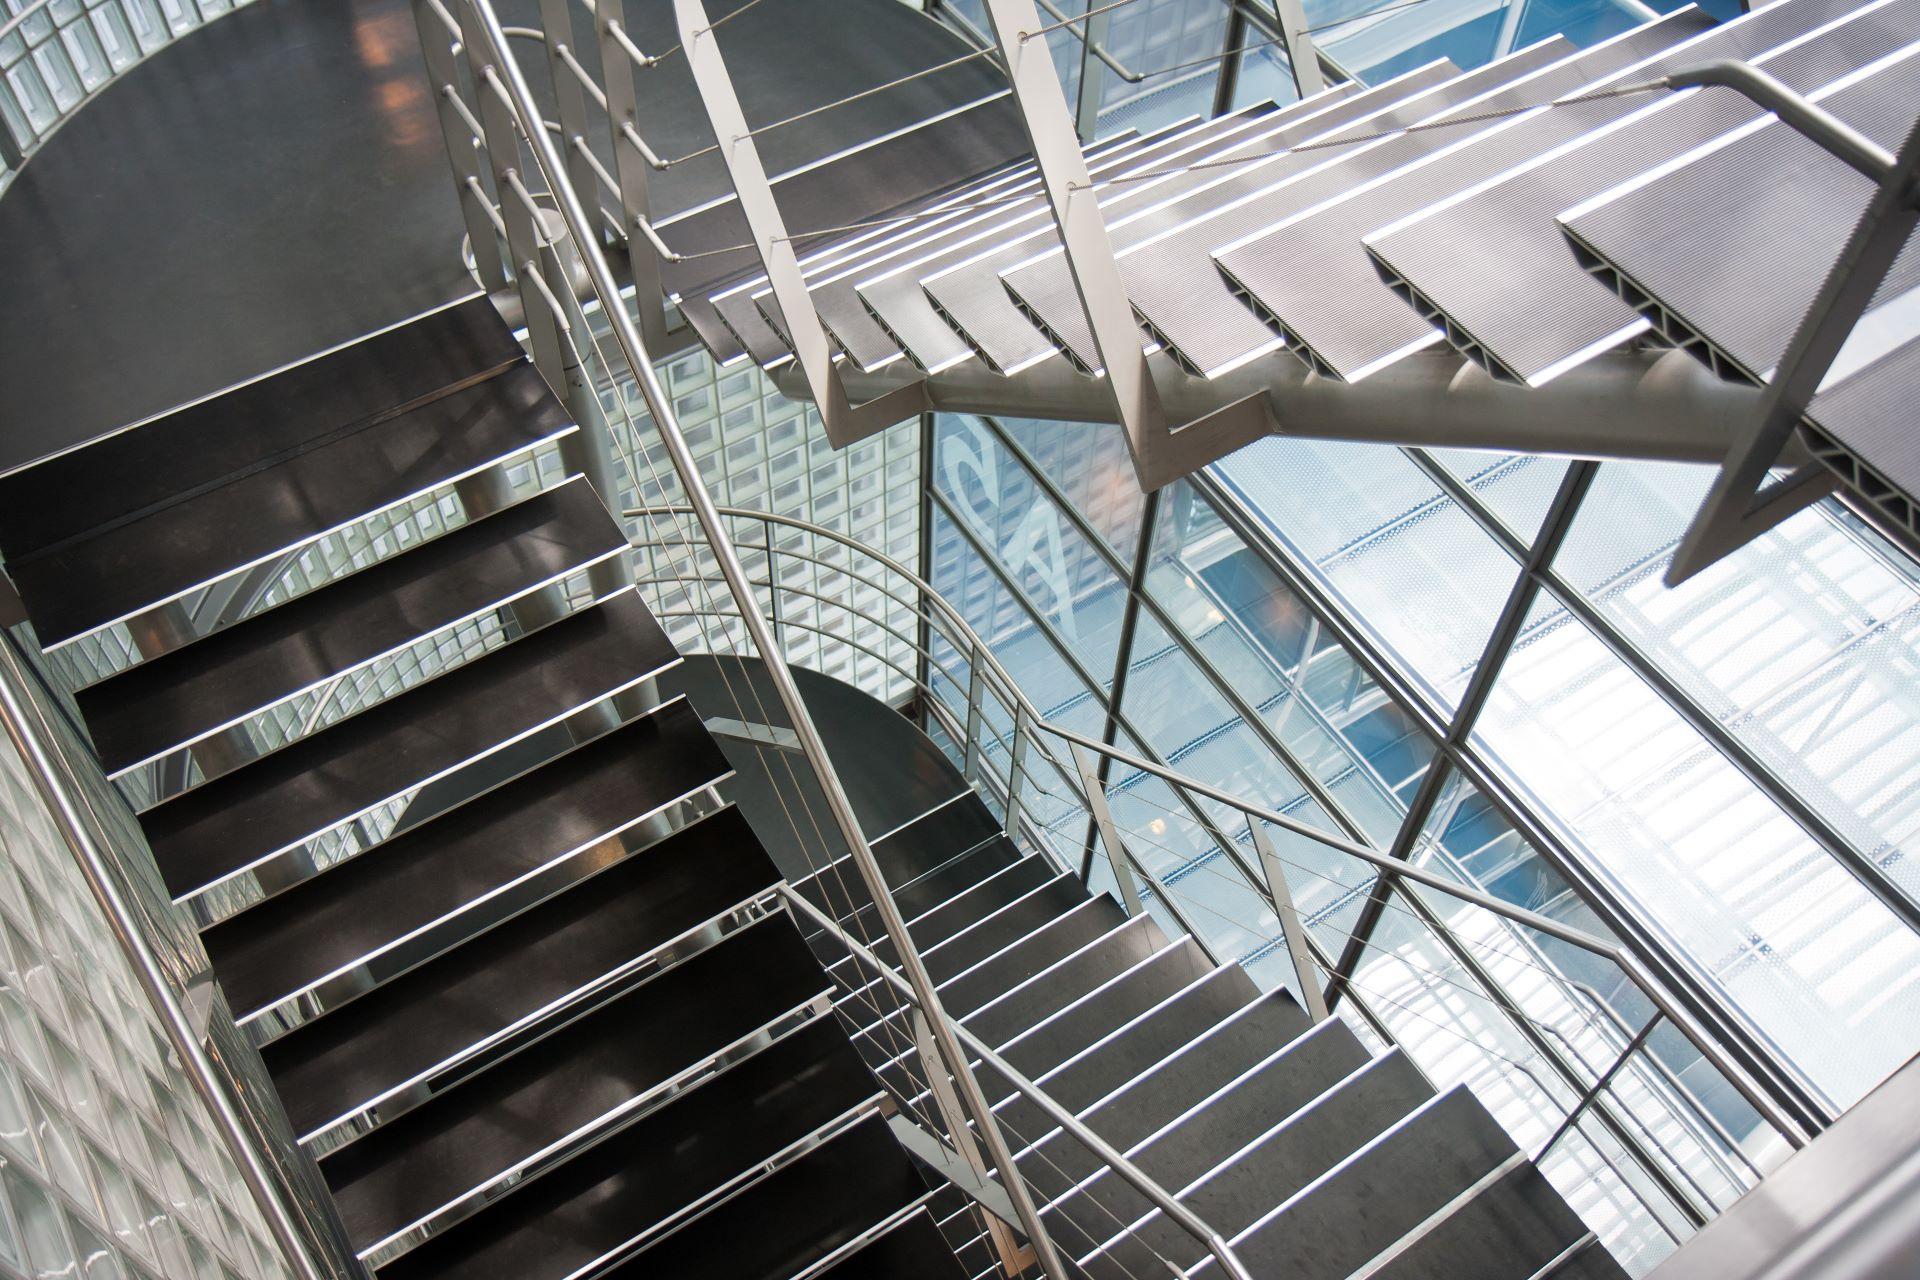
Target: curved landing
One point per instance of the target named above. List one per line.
(274, 184)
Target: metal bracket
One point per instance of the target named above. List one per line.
(759, 735)
(1742, 505)
(846, 423)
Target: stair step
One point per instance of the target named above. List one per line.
(478, 862)
(468, 999)
(191, 449)
(793, 1218)
(912, 1249)
(1067, 981)
(1378, 1194)
(278, 803)
(997, 892)
(1297, 1147)
(133, 570)
(1511, 1229)
(921, 877)
(1176, 1119)
(1030, 953)
(601, 1201)
(166, 704)
(611, 1061)
(1590, 1261)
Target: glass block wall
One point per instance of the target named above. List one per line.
(109, 1169)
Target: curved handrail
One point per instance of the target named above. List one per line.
(1628, 963)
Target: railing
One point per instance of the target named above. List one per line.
(1669, 1129)
(502, 152)
(56, 54)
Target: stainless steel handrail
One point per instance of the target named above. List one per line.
(1015, 699)
(496, 72)
(51, 782)
(1100, 1148)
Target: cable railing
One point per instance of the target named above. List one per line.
(1651, 1127)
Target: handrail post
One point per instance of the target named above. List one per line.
(1291, 929)
(970, 749)
(154, 983)
(443, 78)
(1017, 769)
(486, 27)
(1014, 1258)
(1109, 831)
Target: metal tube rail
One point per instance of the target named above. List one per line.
(154, 983)
(1104, 1151)
(633, 348)
(1629, 964)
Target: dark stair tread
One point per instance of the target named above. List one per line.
(191, 692)
(1343, 1220)
(1509, 1230)
(83, 585)
(957, 914)
(279, 801)
(794, 1217)
(1591, 1262)
(399, 1032)
(1055, 988)
(1205, 1101)
(913, 1249)
(444, 867)
(600, 1200)
(240, 429)
(1028, 956)
(838, 889)
(934, 838)
(1008, 926)
(492, 1123)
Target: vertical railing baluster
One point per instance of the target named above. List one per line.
(1109, 833)
(463, 149)
(1291, 929)
(630, 170)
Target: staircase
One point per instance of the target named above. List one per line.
(1556, 212)
(462, 869)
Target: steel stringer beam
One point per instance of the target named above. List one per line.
(1660, 406)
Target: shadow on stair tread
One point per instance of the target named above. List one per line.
(128, 569)
(184, 452)
(188, 693)
(912, 1250)
(492, 1123)
(599, 1201)
(442, 869)
(794, 1217)
(404, 1029)
(278, 802)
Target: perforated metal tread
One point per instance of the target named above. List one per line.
(1307, 274)
(277, 803)
(219, 682)
(129, 568)
(1812, 199)
(185, 452)
(795, 1217)
(1870, 415)
(579, 1077)
(477, 862)
(495, 982)
(1445, 258)
(600, 1201)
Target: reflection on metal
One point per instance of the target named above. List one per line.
(1308, 985)
(1014, 1257)
(779, 737)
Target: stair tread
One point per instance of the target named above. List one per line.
(1509, 1230)
(794, 1217)
(333, 1065)
(1003, 927)
(182, 451)
(441, 868)
(1052, 990)
(495, 1122)
(913, 1249)
(84, 585)
(186, 694)
(600, 1200)
(1030, 955)
(279, 801)
(1380, 1193)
